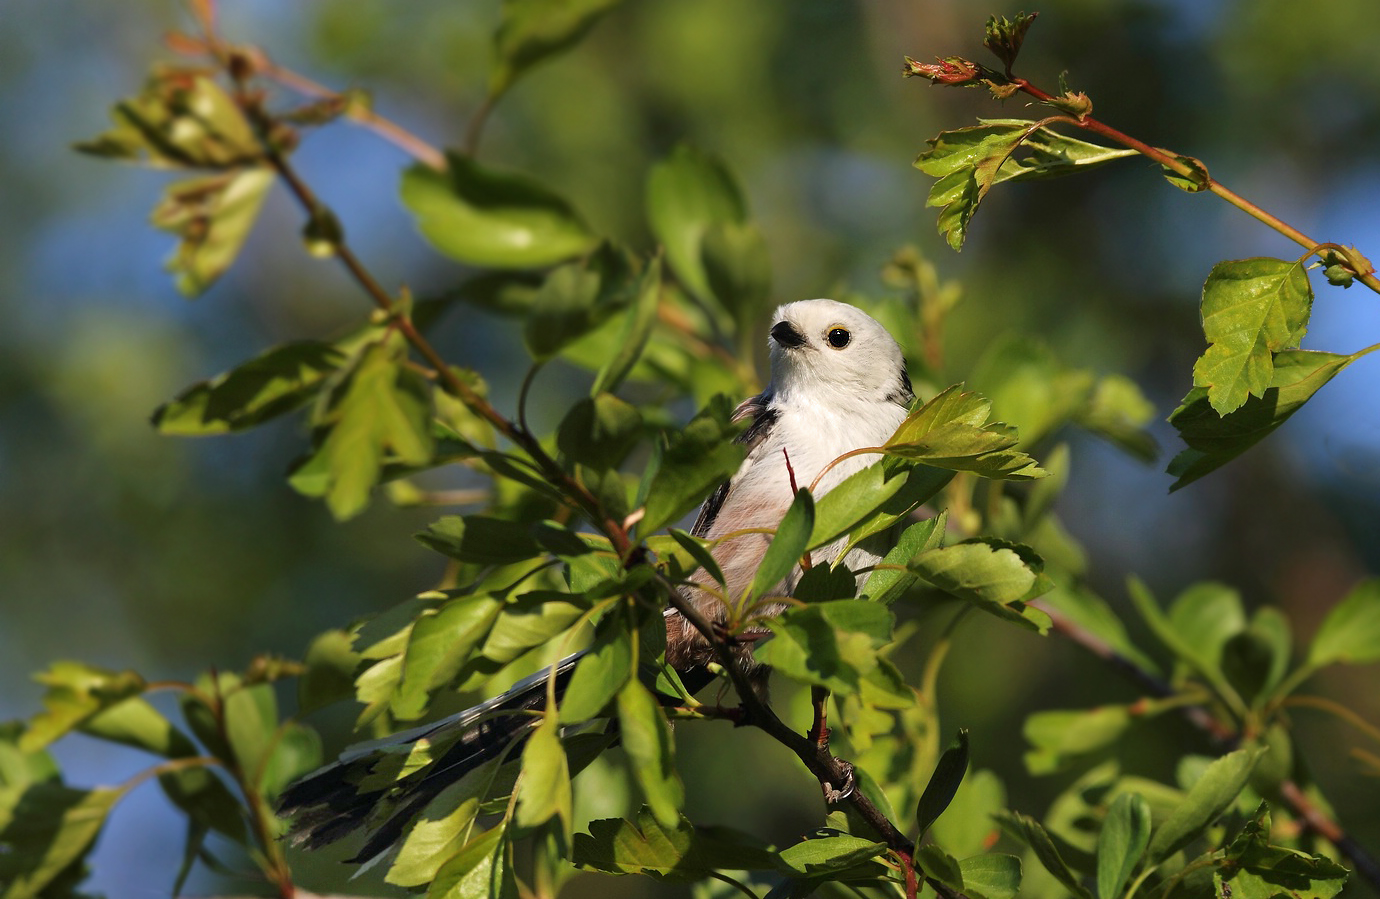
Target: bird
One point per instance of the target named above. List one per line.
(838, 382)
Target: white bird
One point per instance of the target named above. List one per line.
(838, 383)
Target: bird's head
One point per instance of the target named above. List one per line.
(838, 351)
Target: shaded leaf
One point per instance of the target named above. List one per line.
(944, 782)
(481, 539)
(1252, 309)
(873, 499)
(530, 620)
(828, 854)
(1252, 868)
(599, 431)
(578, 297)
(688, 193)
(632, 337)
(891, 577)
(1351, 631)
(970, 826)
(331, 662)
(694, 461)
(1214, 440)
(1215, 790)
(992, 876)
(273, 383)
(1030, 832)
(487, 218)
(683, 852)
(828, 644)
(135, 722)
(737, 267)
(533, 30)
(1121, 843)
(786, 547)
(1060, 738)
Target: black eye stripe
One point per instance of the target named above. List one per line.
(839, 338)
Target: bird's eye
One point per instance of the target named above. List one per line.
(839, 337)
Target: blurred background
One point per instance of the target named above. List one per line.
(128, 550)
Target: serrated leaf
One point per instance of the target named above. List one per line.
(1121, 843)
(273, 383)
(965, 163)
(1004, 36)
(1215, 790)
(829, 644)
(688, 193)
(530, 620)
(647, 741)
(45, 829)
(533, 30)
(995, 576)
(1032, 833)
(1252, 309)
(380, 414)
(1351, 631)
(695, 461)
(211, 217)
(1252, 868)
(943, 783)
(487, 218)
(76, 693)
(1214, 440)
(683, 852)
(951, 431)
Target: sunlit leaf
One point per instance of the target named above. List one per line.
(487, 218)
(1252, 309)
(530, 620)
(438, 646)
(75, 693)
(681, 852)
(45, 828)
(876, 497)
(1252, 868)
(992, 876)
(442, 829)
(997, 577)
(829, 854)
(211, 217)
(544, 787)
(969, 827)
(1214, 440)
(952, 431)
(647, 741)
(828, 644)
(786, 547)
(601, 674)
(891, 577)
(482, 868)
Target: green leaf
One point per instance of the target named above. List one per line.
(530, 620)
(601, 674)
(543, 789)
(1029, 387)
(76, 693)
(698, 550)
(1091, 613)
(1029, 831)
(994, 575)
(688, 193)
(480, 539)
(182, 119)
(1049, 154)
(1201, 620)
(786, 547)
(1207, 799)
(1118, 412)
(251, 717)
(331, 663)
(891, 577)
(211, 217)
(1120, 844)
(969, 827)
(1252, 309)
(295, 750)
(273, 383)
(1197, 179)
(632, 337)
(438, 646)
(442, 829)
(599, 431)
(135, 722)
(533, 30)
(951, 431)
(1351, 631)
(1252, 868)
(679, 853)
(1061, 738)
(381, 414)
(737, 267)
(579, 297)
(828, 855)
(992, 876)
(486, 218)
(829, 644)
(647, 741)
(46, 829)
(965, 163)
(1214, 440)
(482, 868)
(939, 792)
(206, 801)
(873, 499)
(694, 462)
(1004, 36)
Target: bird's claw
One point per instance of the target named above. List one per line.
(850, 783)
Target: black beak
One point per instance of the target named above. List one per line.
(786, 335)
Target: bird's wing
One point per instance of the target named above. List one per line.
(763, 417)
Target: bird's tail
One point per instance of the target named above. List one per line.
(367, 786)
